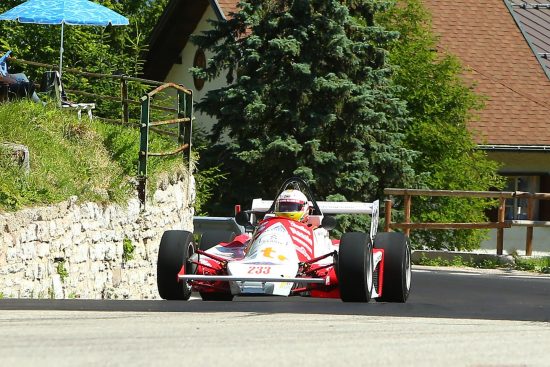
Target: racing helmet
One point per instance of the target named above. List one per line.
(292, 204)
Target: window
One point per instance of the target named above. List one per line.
(199, 62)
(517, 208)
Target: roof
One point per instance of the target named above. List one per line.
(533, 19)
(501, 64)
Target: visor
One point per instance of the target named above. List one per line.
(287, 206)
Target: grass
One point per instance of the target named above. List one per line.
(459, 261)
(92, 160)
(537, 264)
(128, 249)
(534, 264)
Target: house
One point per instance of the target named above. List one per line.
(505, 47)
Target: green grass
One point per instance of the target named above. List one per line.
(534, 264)
(92, 160)
(128, 249)
(538, 264)
(459, 261)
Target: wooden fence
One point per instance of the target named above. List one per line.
(123, 97)
(500, 224)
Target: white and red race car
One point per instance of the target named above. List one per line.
(280, 256)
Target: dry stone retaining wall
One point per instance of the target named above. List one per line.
(88, 250)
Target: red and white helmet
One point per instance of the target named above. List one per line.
(292, 204)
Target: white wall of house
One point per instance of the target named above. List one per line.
(180, 72)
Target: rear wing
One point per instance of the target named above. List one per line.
(333, 207)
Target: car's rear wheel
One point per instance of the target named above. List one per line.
(210, 239)
(397, 266)
(176, 247)
(355, 267)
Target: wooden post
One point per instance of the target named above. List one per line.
(500, 231)
(407, 199)
(124, 100)
(387, 214)
(529, 237)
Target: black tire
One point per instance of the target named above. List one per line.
(210, 239)
(175, 249)
(355, 267)
(216, 296)
(397, 266)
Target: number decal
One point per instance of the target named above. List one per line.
(259, 269)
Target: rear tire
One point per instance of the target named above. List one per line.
(355, 267)
(176, 247)
(396, 284)
(210, 239)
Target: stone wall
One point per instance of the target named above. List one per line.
(89, 250)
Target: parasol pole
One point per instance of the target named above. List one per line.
(61, 51)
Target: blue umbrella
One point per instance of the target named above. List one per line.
(72, 12)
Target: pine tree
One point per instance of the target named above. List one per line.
(308, 94)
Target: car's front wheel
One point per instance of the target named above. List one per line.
(397, 266)
(176, 247)
(355, 267)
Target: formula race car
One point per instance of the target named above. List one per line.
(284, 249)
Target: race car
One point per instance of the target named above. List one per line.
(284, 248)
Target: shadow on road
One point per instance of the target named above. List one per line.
(435, 295)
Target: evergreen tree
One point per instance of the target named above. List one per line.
(308, 94)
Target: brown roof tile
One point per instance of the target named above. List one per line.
(228, 6)
(485, 37)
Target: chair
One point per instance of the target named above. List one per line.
(63, 102)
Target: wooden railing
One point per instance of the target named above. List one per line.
(500, 224)
(123, 80)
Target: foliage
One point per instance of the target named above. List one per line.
(207, 179)
(538, 264)
(66, 157)
(128, 249)
(534, 264)
(308, 95)
(440, 105)
(459, 261)
(106, 50)
(93, 161)
(62, 271)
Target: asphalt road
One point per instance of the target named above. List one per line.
(453, 317)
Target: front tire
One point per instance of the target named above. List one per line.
(176, 247)
(397, 266)
(355, 267)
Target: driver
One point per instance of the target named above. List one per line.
(292, 204)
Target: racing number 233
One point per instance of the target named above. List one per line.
(259, 269)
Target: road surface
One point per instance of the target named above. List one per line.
(453, 318)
